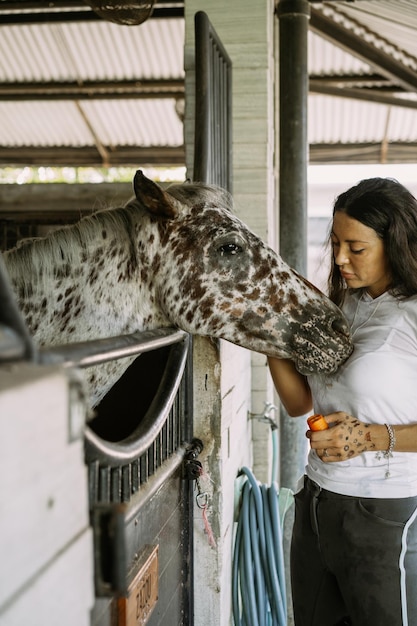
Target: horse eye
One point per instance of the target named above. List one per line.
(230, 248)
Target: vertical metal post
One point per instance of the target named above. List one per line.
(293, 160)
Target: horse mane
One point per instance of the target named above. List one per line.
(191, 194)
(40, 256)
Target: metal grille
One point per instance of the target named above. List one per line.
(213, 101)
(119, 470)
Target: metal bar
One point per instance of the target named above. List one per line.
(293, 159)
(202, 101)
(127, 482)
(93, 481)
(369, 95)
(163, 474)
(88, 353)
(135, 471)
(104, 484)
(143, 469)
(77, 16)
(143, 437)
(375, 80)
(93, 90)
(152, 457)
(116, 484)
(14, 5)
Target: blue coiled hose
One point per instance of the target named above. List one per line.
(258, 585)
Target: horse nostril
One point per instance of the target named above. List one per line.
(339, 325)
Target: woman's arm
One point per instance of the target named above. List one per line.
(347, 437)
(291, 386)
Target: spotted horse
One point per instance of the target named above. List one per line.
(177, 257)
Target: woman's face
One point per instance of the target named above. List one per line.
(360, 255)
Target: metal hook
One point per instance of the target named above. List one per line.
(202, 499)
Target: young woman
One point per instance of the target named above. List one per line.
(354, 546)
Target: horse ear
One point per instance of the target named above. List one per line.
(152, 197)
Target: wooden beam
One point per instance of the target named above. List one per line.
(66, 202)
(400, 152)
(87, 156)
(60, 200)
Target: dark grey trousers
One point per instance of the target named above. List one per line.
(353, 558)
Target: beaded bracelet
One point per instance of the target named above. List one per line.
(391, 445)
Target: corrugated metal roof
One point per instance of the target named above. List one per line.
(92, 51)
(396, 21)
(347, 121)
(83, 52)
(363, 79)
(325, 58)
(126, 86)
(117, 122)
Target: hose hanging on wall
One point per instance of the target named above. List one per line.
(258, 585)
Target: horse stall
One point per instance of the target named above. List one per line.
(141, 469)
(105, 537)
(123, 522)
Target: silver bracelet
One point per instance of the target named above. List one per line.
(391, 445)
(392, 441)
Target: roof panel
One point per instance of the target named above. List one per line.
(135, 122)
(115, 122)
(326, 58)
(389, 25)
(403, 125)
(43, 124)
(92, 51)
(394, 20)
(340, 120)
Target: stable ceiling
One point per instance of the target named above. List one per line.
(363, 81)
(77, 90)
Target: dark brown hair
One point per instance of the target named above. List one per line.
(387, 207)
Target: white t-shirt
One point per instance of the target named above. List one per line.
(377, 384)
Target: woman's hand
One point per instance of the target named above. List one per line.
(345, 438)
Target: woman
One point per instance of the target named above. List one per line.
(354, 546)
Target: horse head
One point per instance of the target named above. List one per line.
(216, 278)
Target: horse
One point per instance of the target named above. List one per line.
(179, 258)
